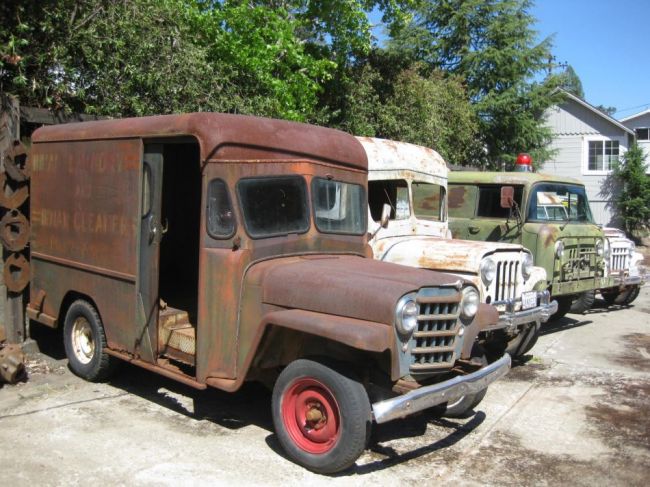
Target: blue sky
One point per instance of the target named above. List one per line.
(606, 41)
(608, 44)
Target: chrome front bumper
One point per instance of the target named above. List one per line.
(449, 390)
(622, 279)
(539, 314)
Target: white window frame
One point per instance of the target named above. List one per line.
(585, 153)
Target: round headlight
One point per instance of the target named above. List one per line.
(527, 265)
(631, 250)
(600, 248)
(407, 317)
(488, 271)
(469, 303)
(559, 249)
(607, 249)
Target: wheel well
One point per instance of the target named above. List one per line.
(68, 299)
(280, 346)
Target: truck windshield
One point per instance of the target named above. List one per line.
(339, 207)
(559, 202)
(274, 205)
(428, 201)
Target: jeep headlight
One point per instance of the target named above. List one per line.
(406, 317)
(527, 265)
(559, 249)
(600, 248)
(469, 303)
(488, 271)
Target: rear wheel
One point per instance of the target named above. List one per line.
(622, 298)
(583, 302)
(85, 342)
(321, 415)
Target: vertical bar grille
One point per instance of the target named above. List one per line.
(618, 259)
(506, 284)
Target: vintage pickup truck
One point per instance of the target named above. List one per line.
(547, 214)
(412, 180)
(216, 249)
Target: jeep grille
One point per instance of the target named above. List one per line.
(579, 260)
(508, 278)
(436, 344)
(618, 260)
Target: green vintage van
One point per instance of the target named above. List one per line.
(547, 214)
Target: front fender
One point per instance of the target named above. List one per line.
(360, 334)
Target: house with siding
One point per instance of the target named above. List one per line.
(640, 123)
(586, 142)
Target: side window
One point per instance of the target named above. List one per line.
(393, 192)
(428, 201)
(221, 220)
(489, 202)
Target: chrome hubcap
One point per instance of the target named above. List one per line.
(83, 344)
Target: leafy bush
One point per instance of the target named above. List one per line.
(633, 198)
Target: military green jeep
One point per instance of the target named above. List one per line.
(549, 215)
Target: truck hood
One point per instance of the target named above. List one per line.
(349, 286)
(438, 253)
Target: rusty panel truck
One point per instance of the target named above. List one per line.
(216, 249)
(412, 181)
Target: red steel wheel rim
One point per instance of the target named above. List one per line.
(311, 415)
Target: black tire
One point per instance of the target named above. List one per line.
(583, 302)
(626, 297)
(85, 343)
(563, 306)
(333, 395)
(610, 297)
(524, 341)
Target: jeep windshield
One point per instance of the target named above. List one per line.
(557, 202)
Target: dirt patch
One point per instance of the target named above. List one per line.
(621, 415)
(526, 372)
(637, 352)
(506, 461)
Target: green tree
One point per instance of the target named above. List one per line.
(570, 82)
(633, 195)
(492, 47)
(158, 56)
(432, 111)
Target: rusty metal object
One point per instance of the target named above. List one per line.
(10, 197)
(12, 363)
(14, 231)
(16, 273)
(16, 163)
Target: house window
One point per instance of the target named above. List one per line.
(602, 154)
(642, 134)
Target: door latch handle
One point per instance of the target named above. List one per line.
(474, 230)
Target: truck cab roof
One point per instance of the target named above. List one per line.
(521, 178)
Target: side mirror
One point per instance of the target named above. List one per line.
(507, 196)
(385, 215)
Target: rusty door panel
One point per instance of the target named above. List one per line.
(84, 209)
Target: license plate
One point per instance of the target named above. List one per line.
(529, 300)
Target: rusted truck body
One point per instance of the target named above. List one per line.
(215, 249)
(550, 215)
(413, 180)
(625, 266)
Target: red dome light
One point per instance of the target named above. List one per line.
(524, 163)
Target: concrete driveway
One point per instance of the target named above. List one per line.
(576, 413)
